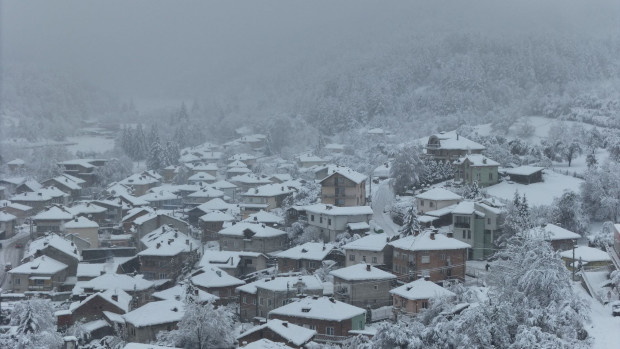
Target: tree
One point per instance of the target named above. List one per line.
(572, 151)
(411, 225)
(172, 153)
(203, 326)
(113, 170)
(567, 211)
(406, 169)
(156, 159)
(517, 216)
(472, 191)
(35, 326)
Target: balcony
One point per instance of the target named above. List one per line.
(462, 225)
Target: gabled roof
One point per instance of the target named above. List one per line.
(477, 160)
(250, 178)
(55, 241)
(452, 141)
(135, 211)
(274, 189)
(41, 265)
(237, 163)
(216, 216)
(207, 192)
(215, 204)
(283, 283)
(252, 229)
(160, 195)
(201, 176)
(362, 271)
(6, 217)
(331, 210)
(421, 289)
(30, 196)
(294, 334)
(213, 277)
(552, 232)
(316, 251)
(123, 299)
(264, 217)
(322, 308)
(165, 311)
(309, 158)
(122, 281)
(346, 172)
(466, 208)
(439, 194)
(53, 192)
(429, 241)
(587, 254)
(14, 205)
(242, 157)
(179, 292)
(81, 222)
(225, 259)
(243, 170)
(139, 179)
(370, 242)
(523, 170)
(223, 185)
(86, 208)
(167, 241)
(54, 213)
(265, 343)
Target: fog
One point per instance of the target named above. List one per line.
(179, 49)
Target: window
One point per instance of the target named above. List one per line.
(245, 300)
(132, 330)
(364, 258)
(422, 203)
(312, 327)
(464, 236)
(284, 302)
(396, 268)
(254, 301)
(396, 254)
(469, 234)
(352, 257)
(404, 256)
(329, 331)
(162, 276)
(374, 260)
(261, 301)
(488, 220)
(431, 204)
(426, 259)
(442, 256)
(311, 218)
(321, 219)
(18, 281)
(269, 302)
(490, 176)
(376, 287)
(329, 221)
(424, 305)
(312, 265)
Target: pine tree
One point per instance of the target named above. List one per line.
(172, 153)
(411, 225)
(139, 144)
(156, 159)
(472, 191)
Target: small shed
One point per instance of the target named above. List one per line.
(525, 174)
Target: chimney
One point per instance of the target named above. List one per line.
(427, 277)
(284, 323)
(433, 235)
(115, 297)
(367, 267)
(450, 234)
(219, 273)
(158, 245)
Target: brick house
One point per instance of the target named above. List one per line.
(476, 168)
(37, 201)
(278, 331)
(343, 187)
(52, 219)
(363, 285)
(235, 263)
(271, 195)
(40, 274)
(92, 307)
(69, 184)
(413, 297)
(166, 251)
(56, 247)
(82, 168)
(252, 237)
(145, 322)
(141, 182)
(89, 210)
(371, 249)
(429, 254)
(327, 316)
(22, 212)
(308, 256)
(449, 146)
(137, 287)
(85, 229)
(216, 282)
(211, 223)
(258, 298)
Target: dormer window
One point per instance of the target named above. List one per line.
(305, 310)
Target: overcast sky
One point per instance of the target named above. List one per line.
(176, 48)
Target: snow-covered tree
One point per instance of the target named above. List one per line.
(572, 151)
(35, 326)
(411, 225)
(113, 170)
(156, 159)
(406, 169)
(203, 326)
(172, 153)
(472, 191)
(567, 211)
(517, 217)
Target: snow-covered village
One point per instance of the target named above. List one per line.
(318, 175)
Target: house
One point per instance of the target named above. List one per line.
(40, 274)
(476, 168)
(68, 184)
(202, 195)
(18, 210)
(344, 187)
(143, 326)
(237, 171)
(182, 291)
(85, 229)
(363, 285)
(382, 171)
(82, 168)
(430, 254)
(249, 180)
(334, 148)
(149, 222)
(56, 247)
(235, 263)
(252, 237)
(308, 256)
(162, 199)
(216, 204)
(58, 196)
(114, 210)
(258, 298)
(216, 282)
(278, 331)
(92, 307)
(280, 177)
(29, 186)
(209, 168)
(212, 222)
(309, 160)
(201, 177)
(11, 183)
(327, 316)
(449, 146)
(52, 219)
(332, 220)
(89, 210)
(266, 218)
(8, 223)
(37, 201)
(413, 297)
(371, 249)
(141, 182)
(525, 174)
(229, 189)
(89, 271)
(435, 199)
(133, 214)
(166, 252)
(561, 239)
(588, 257)
(478, 224)
(16, 166)
(247, 159)
(265, 344)
(271, 195)
(139, 288)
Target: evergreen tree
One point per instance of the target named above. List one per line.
(406, 169)
(139, 143)
(472, 191)
(172, 153)
(156, 159)
(411, 225)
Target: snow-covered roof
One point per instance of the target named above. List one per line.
(224, 259)
(346, 172)
(382, 170)
(42, 265)
(123, 299)
(318, 308)
(167, 241)
(215, 204)
(309, 158)
(552, 232)
(370, 242)
(211, 277)
(450, 140)
(203, 167)
(207, 192)
(264, 217)
(283, 283)
(273, 189)
(53, 192)
(438, 194)
(6, 217)
(362, 271)
(139, 179)
(86, 208)
(441, 212)
(216, 216)
(254, 229)
(467, 208)
(421, 289)
(243, 170)
(201, 176)
(358, 226)
(237, 163)
(69, 183)
(425, 242)
(316, 251)
(90, 269)
(80, 162)
(294, 334)
(242, 157)
(136, 210)
(223, 185)
(478, 160)
(523, 170)
(332, 210)
(376, 131)
(31, 196)
(587, 254)
(160, 195)
(14, 205)
(122, 281)
(55, 241)
(334, 146)
(155, 313)
(16, 162)
(32, 184)
(265, 343)
(179, 292)
(14, 180)
(81, 222)
(250, 178)
(282, 177)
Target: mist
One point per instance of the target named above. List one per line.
(196, 49)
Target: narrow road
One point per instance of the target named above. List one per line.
(382, 198)
(9, 254)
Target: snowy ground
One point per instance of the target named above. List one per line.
(90, 144)
(541, 193)
(381, 199)
(604, 328)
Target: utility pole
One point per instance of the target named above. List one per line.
(574, 244)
